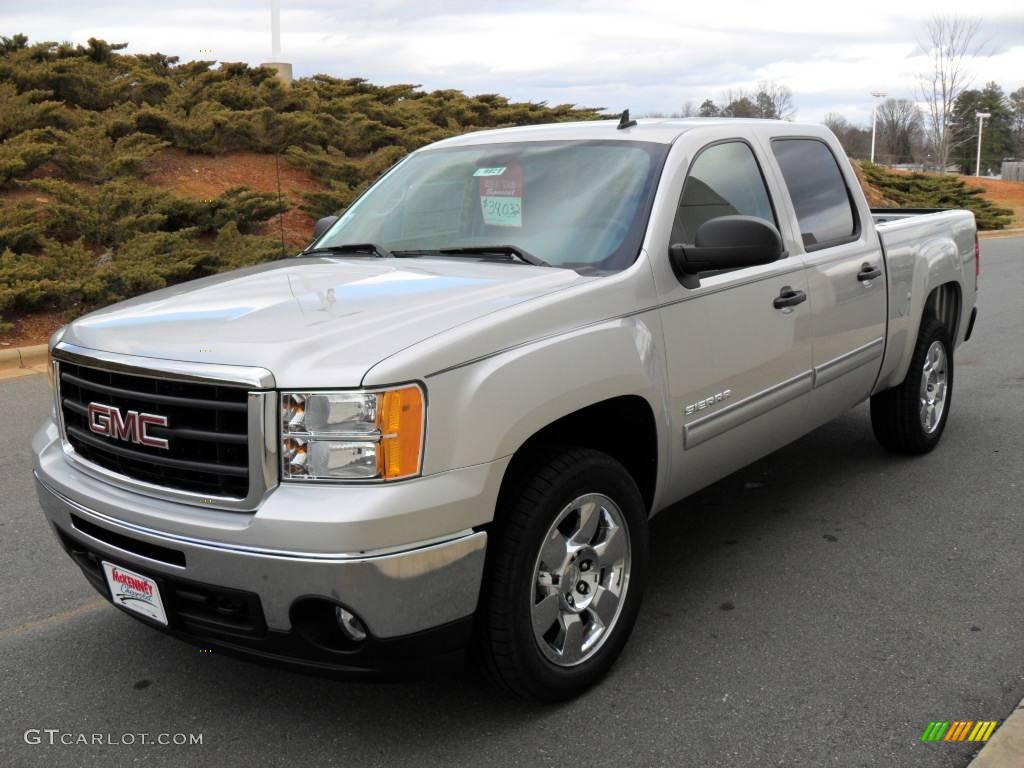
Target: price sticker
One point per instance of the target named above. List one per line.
(489, 171)
(501, 196)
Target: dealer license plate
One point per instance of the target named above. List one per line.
(135, 592)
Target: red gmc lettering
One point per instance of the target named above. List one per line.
(144, 420)
(132, 426)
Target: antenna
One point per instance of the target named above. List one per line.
(624, 121)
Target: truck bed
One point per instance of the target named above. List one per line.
(886, 215)
(918, 242)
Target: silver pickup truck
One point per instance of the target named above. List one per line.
(448, 421)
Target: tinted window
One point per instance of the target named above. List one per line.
(724, 180)
(818, 191)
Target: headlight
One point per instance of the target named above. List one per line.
(351, 435)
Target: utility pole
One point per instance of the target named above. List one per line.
(874, 121)
(981, 121)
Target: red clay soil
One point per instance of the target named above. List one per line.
(31, 329)
(206, 176)
(201, 176)
(1008, 194)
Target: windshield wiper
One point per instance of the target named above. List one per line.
(504, 250)
(370, 249)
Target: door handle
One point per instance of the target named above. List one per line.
(868, 272)
(789, 298)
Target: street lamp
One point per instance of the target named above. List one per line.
(874, 110)
(981, 120)
(283, 68)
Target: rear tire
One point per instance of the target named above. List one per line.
(911, 417)
(565, 575)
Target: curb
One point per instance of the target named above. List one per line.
(1006, 747)
(994, 234)
(23, 357)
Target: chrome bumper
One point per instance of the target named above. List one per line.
(396, 594)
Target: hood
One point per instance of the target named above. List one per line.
(313, 321)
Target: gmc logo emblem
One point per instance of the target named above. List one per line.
(133, 426)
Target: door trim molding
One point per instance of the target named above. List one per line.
(840, 366)
(714, 424)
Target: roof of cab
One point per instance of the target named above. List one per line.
(660, 130)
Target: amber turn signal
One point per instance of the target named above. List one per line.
(400, 420)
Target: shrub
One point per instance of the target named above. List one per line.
(21, 227)
(62, 275)
(24, 153)
(921, 190)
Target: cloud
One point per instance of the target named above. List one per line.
(649, 55)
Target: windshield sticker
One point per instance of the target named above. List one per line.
(489, 171)
(501, 197)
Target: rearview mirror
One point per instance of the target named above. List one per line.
(726, 242)
(323, 225)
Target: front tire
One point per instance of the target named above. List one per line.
(565, 575)
(911, 417)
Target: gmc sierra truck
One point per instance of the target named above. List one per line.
(447, 422)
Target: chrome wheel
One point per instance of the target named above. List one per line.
(934, 383)
(580, 579)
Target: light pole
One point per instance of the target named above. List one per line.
(874, 112)
(981, 121)
(283, 69)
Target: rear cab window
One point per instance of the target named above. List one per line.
(821, 199)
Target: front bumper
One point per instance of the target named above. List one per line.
(232, 621)
(415, 590)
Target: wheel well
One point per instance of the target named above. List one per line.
(944, 304)
(623, 427)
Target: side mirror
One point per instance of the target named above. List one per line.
(323, 225)
(727, 242)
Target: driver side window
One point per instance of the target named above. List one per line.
(724, 180)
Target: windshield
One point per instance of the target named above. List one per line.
(570, 203)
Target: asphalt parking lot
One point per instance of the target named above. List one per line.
(817, 608)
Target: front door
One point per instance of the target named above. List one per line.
(738, 354)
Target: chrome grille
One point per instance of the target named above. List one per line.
(216, 431)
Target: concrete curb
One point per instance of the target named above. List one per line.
(1006, 747)
(994, 234)
(23, 357)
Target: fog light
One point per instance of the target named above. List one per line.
(350, 624)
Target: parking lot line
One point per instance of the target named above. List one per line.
(51, 621)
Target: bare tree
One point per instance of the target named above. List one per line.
(769, 101)
(1016, 103)
(899, 127)
(777, 99)
(836, 123)
(855, 139)
(689, 109)
(950, 43)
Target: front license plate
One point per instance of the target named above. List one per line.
(135, 592)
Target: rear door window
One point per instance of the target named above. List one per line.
(818, 191)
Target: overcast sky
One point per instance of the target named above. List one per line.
(648, 55)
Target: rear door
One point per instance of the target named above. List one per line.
(738, 365)
(845, 273)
